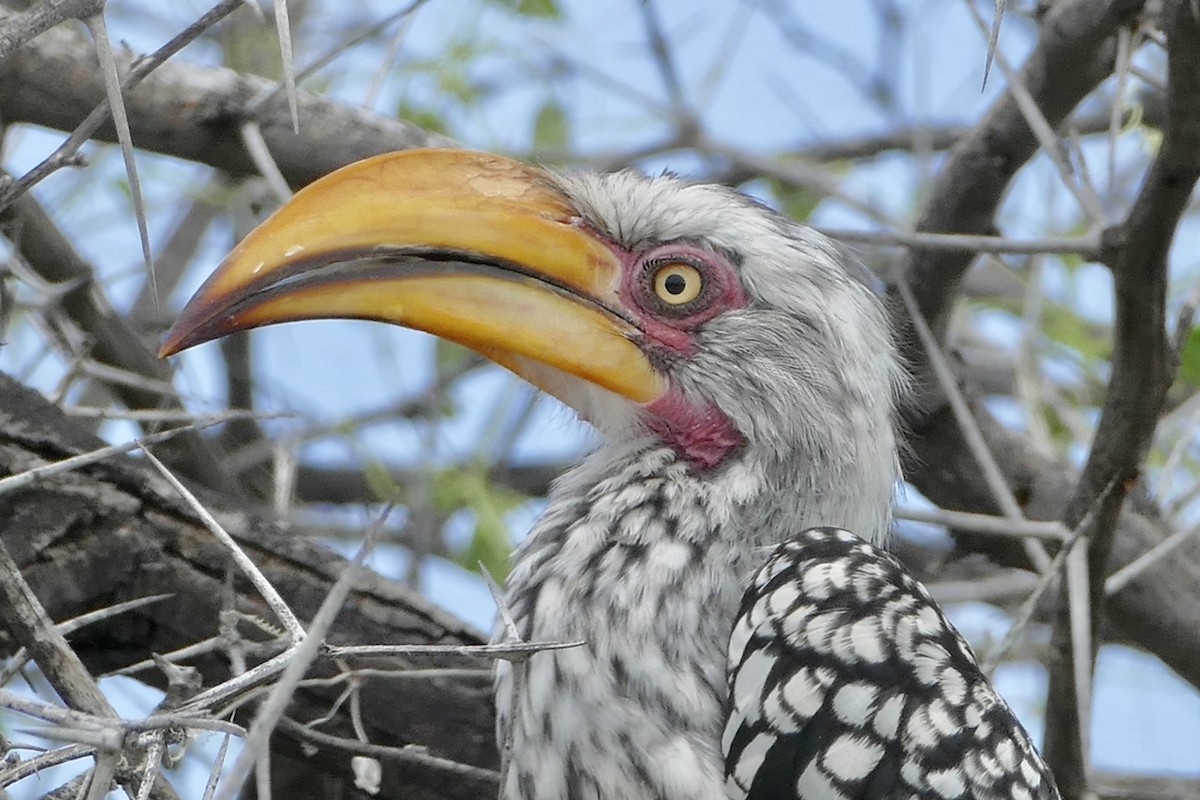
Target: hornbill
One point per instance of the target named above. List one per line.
(742, 640)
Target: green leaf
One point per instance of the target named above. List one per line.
(470, 488)
(379, 480)
(1060, 433)
(1062, 325)
(1189, 358)
(458, 84)
(542, 9)
(449, 357)
(1072, 261)
(550, 127)
(797, 202)
(490, 547)
(426, 118)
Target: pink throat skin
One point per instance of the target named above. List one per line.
(701, 434)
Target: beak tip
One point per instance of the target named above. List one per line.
(177, 340)
(196, 324)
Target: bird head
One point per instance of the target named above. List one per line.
(654, 307)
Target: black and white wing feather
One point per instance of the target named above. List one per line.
(847, 681)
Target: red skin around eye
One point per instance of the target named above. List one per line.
(697, 430)
(675, 332)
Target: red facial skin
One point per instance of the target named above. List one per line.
(673, 327)
(697, 430)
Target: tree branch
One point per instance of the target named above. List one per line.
(20, 28)
(1075, 51)
(195, 113)
(112, 341)
(1143, 368)
(116, 530)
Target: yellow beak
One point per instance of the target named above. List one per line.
(476, 248)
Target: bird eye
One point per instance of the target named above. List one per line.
(677, 283)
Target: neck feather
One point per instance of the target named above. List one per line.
(760, 499)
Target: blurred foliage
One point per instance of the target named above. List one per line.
(546, 9)
(1067, 327)
(1189, 359)
(470, 488)
(798, 202)
(550, 127)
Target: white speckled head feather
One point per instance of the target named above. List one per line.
(808, 371)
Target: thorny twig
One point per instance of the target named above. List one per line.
(277, 604)
(68, 626)
(116, 102)
(1143, 368)
(996, 484)
(20, 28)
(302, 656)
(100, 113)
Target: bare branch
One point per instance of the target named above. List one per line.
(277, 604)
(987, 524)
(1076, 182)
(999, 488)
(1143, 365)
(29, 623)
(34, 474)
(112, 341)
(1086, 246)
(116, 103)
(283, 30)
(75, 623)
(136, 537)
(194, 112)
(271, 711)
(384, 753)
(1074, 52)
(93, 122)
(20, 28)
(993, 38)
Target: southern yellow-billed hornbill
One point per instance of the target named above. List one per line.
(741, 643)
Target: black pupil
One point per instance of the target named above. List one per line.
(675, 283)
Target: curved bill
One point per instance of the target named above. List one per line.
(476, 248)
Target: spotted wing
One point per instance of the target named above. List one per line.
(847, 681)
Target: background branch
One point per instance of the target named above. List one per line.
(949, 202)
(124, 533)
(1143, 368)
(194, 112)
